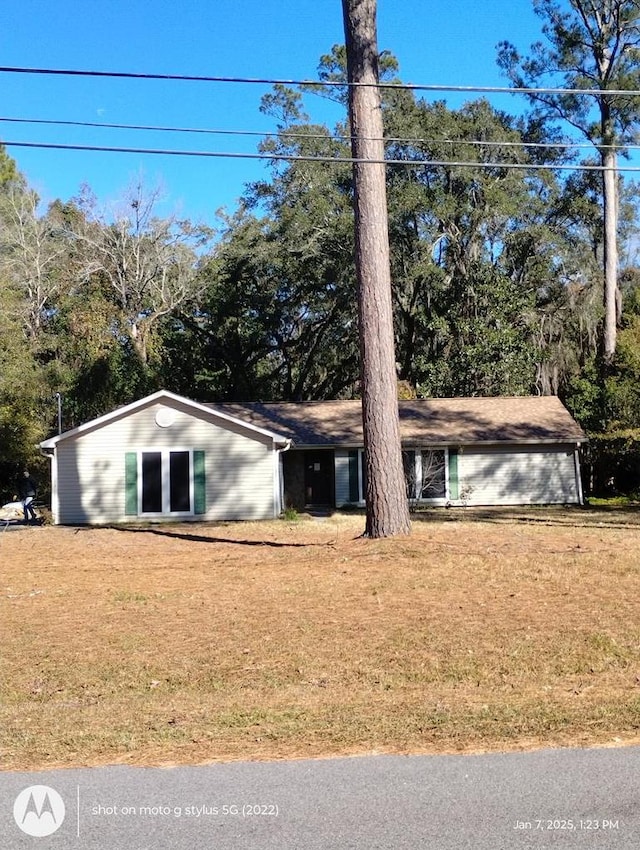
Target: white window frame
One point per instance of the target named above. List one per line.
(165, 468)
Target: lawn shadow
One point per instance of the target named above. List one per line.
(573, 516)
(201, 538)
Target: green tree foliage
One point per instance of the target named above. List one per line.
(590, 45)
(623, 383)
(24, 392)
(278, 316)
(23, 402)
(9, 174)
(496, 276)
(460, 244)
(472, 252)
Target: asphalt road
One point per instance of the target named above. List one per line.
(545, 799)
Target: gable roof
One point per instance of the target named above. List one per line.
(436, 421)
(171, 400)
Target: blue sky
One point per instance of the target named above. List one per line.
(436, 43)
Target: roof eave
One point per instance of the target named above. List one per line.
(159, 396)
(410, 442)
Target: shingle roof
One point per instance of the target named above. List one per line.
(434, 421)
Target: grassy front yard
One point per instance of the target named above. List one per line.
(484, 630)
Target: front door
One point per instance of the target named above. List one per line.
(319, 477)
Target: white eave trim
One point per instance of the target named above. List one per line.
(414, 442)
(162, 396)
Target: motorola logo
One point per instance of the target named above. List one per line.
(39, 810)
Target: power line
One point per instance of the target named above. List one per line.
(157, 128)
(315, 83)
(297, 135)
(427, 163)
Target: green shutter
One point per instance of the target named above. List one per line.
(131, 484)
(354, 489)
(199, 483)
(454, 490)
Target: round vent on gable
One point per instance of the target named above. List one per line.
(165, 417)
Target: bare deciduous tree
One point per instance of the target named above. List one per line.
(150, 263)
(425, 475)
(30, 252)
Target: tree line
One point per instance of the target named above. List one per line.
(497, 270)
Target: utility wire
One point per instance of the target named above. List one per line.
(316, 136)
(427, 163)
(315, 83)
(158, 128)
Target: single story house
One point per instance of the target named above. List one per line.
(456, 451)
(166, 457)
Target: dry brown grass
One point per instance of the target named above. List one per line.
(192, 643)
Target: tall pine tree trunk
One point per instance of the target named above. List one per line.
(386, 495)
(610, 196)
(611, 292)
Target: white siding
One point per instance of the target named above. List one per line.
(91, 467)
(518, 476)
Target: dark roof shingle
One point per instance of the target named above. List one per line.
(464, 421)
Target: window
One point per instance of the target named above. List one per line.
(165, 482)
(180, 482)
(151, 468)
(357, 476)
(433, 476)
(425, 472)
